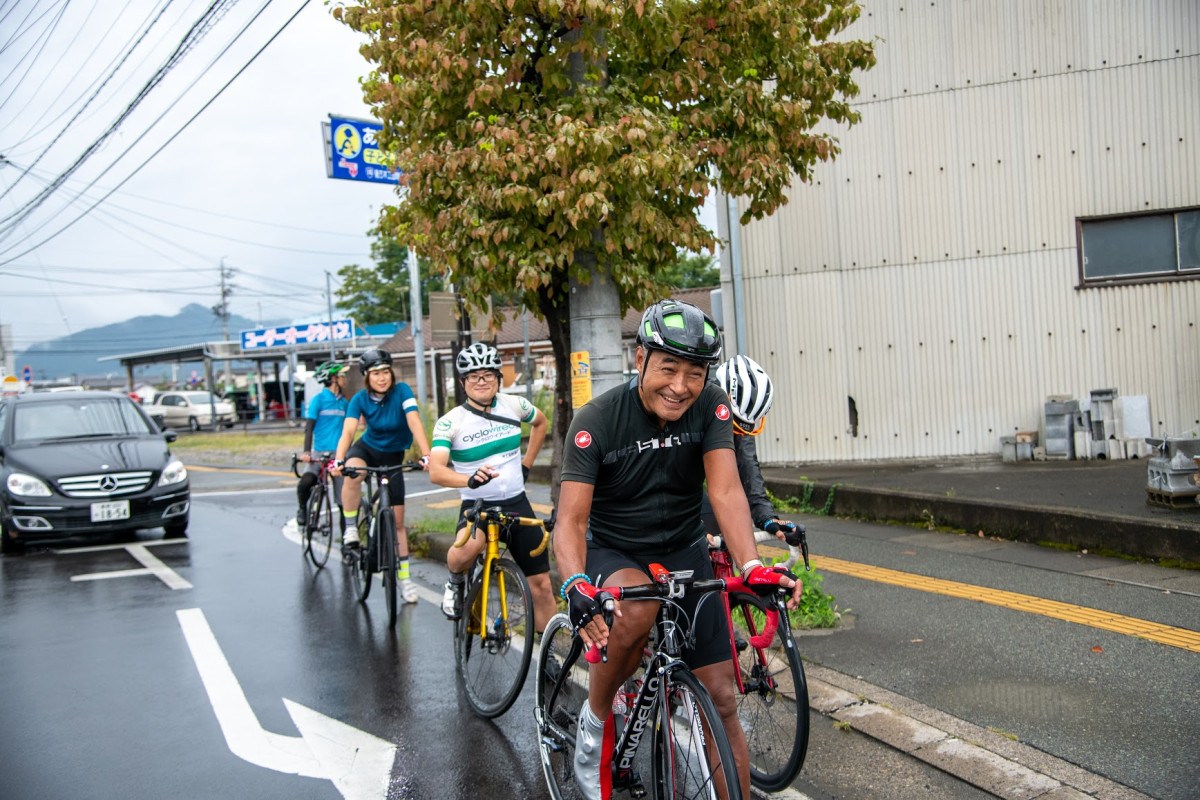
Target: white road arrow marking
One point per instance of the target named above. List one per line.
(358, 763)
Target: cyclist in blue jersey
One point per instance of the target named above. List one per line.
(388, 413)
(325, 415)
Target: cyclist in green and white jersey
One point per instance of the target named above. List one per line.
(477, 450)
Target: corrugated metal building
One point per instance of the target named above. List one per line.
(926, 292)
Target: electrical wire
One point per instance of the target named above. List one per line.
(45, 39)
(172, 138)
(199, 28)
(94, 95)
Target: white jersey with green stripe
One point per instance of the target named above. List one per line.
(475, 441)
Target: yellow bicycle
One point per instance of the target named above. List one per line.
(493, 639)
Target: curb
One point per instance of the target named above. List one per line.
(1128, 535)
(979, 756)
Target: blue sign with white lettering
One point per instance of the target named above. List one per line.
(290, 335)
(354, 153)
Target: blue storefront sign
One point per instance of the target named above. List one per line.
(352, 151)
(298, 334)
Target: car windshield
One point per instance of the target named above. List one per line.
(201, 398)
(77, 418)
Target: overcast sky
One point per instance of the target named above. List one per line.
(244, 182)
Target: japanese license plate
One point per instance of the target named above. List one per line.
(106, 512)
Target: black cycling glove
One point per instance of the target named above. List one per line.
(474, 482)
(582, 604)
(524, 473)
(791, 533)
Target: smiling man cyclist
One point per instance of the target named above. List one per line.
(635, 465)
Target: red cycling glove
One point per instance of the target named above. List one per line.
(765, 579)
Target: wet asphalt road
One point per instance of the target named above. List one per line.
(103, 696)
(129, 685)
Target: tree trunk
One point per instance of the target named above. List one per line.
(557, 312)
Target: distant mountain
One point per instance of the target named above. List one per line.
(77, 356)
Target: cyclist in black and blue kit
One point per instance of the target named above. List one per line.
(388, 411)
(634, 469)
(325, 415)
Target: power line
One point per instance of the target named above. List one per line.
(94, 95)
(169, 140)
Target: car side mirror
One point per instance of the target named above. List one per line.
(170, 436)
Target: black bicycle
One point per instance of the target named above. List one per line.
(321, 507)
(376, 535)
(664, 705)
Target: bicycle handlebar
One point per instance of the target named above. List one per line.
(407, 466)
(476, 514)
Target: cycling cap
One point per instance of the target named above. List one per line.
(374, 358)
(477, 356)
(749, 388)
(680, 329)
(324, 373)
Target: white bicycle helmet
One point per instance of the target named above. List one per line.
(749, 388)
(477, 356)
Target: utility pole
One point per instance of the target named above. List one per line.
(595, 304)
(222, 311)
(414, 313)
(329, 303)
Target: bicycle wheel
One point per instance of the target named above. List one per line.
(385, 535)
(557, 712)
(773, 701)
(362, 561)
(692, 756)
(495, 640)
(318, 536)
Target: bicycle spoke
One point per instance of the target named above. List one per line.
(773, 702)
(494, 652)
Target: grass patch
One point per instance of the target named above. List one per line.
(803, 504)
(240, 442)
(433, 521)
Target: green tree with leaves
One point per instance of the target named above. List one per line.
(512, 166)
(376, 294)
(691, 270)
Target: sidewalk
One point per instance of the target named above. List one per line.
(1096, 505)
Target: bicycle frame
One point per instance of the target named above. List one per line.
(494, 520)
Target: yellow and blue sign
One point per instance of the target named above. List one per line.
(352, 151)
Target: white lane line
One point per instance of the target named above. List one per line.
(151, 564)
(101, 547)
(358, 763)
(160, 570)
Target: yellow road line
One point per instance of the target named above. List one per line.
(540, 508)
(1092, 617)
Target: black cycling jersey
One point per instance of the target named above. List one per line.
(647, 480)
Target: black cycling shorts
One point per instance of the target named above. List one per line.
(710, 625)
(379, 458)
(522, 539)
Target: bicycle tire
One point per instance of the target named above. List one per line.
(773, 701)
(692, 754)
(385, 531)
(558, 714)
(492, 655)
(318, 535)
(363, 561)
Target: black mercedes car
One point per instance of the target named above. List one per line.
(80, 463)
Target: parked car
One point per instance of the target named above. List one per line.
(193, 409)
(84, 463)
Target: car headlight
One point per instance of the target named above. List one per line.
(174, 472)
(27, 485)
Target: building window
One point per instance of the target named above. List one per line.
(1139, 248)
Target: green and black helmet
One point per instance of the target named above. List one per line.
(325, 372)
(682, 330)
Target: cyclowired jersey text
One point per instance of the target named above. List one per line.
(474, 441)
